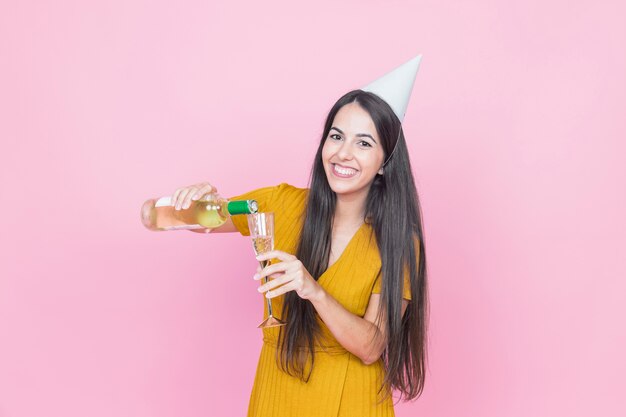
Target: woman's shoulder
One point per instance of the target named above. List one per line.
(290, 198)
(270, 196)
(289, 191)
(284, 198)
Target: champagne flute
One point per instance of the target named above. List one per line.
(262, 234)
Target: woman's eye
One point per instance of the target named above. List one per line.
(361, 142)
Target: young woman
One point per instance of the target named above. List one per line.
(348, 273)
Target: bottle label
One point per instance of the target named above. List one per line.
(163, 201)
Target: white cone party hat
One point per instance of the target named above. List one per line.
(395, 87)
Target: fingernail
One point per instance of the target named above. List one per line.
(258, 257)
(256, 276)
(260, 289)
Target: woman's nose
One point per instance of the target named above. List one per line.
(345, 151)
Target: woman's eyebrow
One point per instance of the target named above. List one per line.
(358, 135)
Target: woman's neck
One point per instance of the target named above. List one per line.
(350, 210)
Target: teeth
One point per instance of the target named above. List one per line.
(344, 171)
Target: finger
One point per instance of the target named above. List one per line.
(187, 200)
(175, 196)
(182, 196)
(273, 277)
(283, 279)
(279, 291)
(198, 193)
(272, 269)
(257, 276)
(178, 198)
(203, 191)
(211, 188)
(278, 254)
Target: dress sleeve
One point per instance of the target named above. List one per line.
(407, 285)
(265, 197)
(407, 277)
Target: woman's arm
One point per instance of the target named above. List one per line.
(359, 336)
(354, 333)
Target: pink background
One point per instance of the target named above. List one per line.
(516, 129)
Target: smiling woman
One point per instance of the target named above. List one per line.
(348, 274)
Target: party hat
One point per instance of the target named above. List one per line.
(395, 87)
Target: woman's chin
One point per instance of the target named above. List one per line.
(340, 187)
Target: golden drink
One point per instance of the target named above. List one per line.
(263, 244)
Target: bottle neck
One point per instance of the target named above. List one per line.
(242, 207)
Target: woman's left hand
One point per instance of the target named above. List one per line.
(290, 273)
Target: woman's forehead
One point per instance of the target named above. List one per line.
(353, 119)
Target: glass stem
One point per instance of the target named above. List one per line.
(265, 280)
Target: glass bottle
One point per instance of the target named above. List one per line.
(208, 212)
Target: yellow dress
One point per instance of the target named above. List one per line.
(340, 383)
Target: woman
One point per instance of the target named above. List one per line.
(348, 274)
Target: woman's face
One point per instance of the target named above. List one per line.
(352, 153)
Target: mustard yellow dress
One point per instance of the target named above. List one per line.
(340, 383)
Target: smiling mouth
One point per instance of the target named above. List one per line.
(342, 172)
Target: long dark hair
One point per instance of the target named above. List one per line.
(393, 210)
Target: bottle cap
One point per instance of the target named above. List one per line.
(242, 207)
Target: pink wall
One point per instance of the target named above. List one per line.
(516, 131)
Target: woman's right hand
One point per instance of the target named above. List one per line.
(182, 197)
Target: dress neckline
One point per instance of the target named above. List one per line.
(351, 242)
